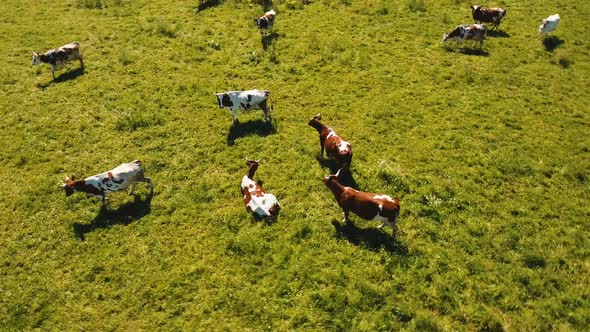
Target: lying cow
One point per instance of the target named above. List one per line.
(475, 32)
(266, 22)
(336, 148)
(549, 24)
(488, 15)
(256, 199)
(244, 100)
(117, 179)
(365, 205)
(60, 57)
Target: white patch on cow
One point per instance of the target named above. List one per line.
(385, 197)
(343, 146)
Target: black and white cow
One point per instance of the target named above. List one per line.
(266, 22)
(117, 179)
(475, 32)
(244, 100)
(59, 57)
(549, 24)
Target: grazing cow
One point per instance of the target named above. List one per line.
(60, 57)
(117, 179)
(549, 24)
(266, 21)
(488, 15)
(244, 100)
(475, 32)
(336, 148)
(257, 200)
(365, 205)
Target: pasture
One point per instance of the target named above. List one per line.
(488, 152)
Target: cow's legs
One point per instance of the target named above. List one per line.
(53, 71)
(322, 147)
(346, 218)
(132, 190)
(81, 62)
(264, 108)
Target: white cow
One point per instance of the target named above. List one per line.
(549, 24)
(244, 100)
(117, 179)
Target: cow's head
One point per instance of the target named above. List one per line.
(68, 186)
(224, 100)
(315, 119)
(330, 179)
(444, 38)
(36, 59)
(475, 8)
(251, 163)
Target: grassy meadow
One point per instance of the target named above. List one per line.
(487, 150)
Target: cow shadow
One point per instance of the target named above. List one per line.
(124, 215)
(372, 238)
(69, 75)
(204, 4)
(552, 42)
(258, 127)
(473, 51)
(268, 40)
(496, 33)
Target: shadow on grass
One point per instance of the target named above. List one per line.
(473, 51)
(124, 215)
(552, 42)
(500, 34)
(69, 75)
(268, 40)
(372, 238)
(259, 127)
(204, 4)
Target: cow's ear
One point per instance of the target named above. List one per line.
(319, 116)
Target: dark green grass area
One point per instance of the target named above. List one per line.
(487, 150)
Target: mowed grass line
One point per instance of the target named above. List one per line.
(488, 155)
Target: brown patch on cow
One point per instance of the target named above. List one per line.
(72, 186)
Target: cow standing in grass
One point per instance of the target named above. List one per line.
(266, 22)
(257, 200)
(336, 148)
(368, 206)
(117, 179)
(488, 15)
(59, 57)
(549, 24)
(244, 100)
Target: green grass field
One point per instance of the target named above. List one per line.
(488, 152)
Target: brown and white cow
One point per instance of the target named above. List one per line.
(266, 22)
(488, 15)
(336, 148)
(474, 32)
(59, 57)
(256, 199)
(368, 206)
(117, 179)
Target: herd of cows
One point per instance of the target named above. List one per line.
(262, 204)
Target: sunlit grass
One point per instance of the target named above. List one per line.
(487, 151)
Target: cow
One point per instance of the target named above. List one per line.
(549, 24)
(368, 206)
(256, 199)
(336, 148)
(117, 179)
(59, 57)
(488, 15)
(266, 22)
(244, 100)
(475, 32)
